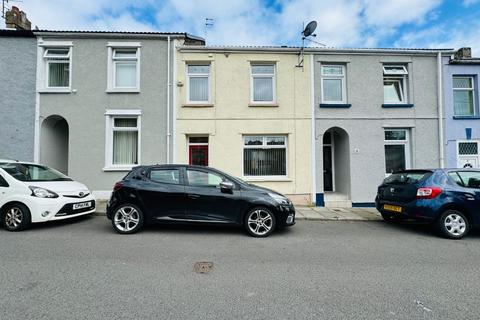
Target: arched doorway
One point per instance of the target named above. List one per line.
(336, 167)
(54, 143)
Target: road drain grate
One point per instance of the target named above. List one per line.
(203, 267)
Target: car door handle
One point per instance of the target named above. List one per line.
(193, 196)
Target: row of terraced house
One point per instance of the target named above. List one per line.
(324, 131)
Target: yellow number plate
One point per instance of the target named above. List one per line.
(392, 208)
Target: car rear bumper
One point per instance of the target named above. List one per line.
(418, 209)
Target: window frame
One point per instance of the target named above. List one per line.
(474, 106)
(265, 146)
(198, 75)
(110, 117)
(341, 77)
(274, 83)
(43, 64)
(401, 78)
(405, 142)
(112, 65)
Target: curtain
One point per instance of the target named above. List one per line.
(126, 74)
(265, 162)
(463, 103)
(332, 90)
(125, 147)
(262, 89)
(198, 88)
(58, 74)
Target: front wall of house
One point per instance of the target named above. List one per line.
(456, 128)
(84, 108)
(230, 117)
(365, 121)
(17, 92)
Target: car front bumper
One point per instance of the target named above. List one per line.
(61, 208)
(285, 215)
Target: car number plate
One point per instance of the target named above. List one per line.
(392, 208)
(81, 205)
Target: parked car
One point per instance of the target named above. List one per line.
(195, 194)
(449, 198)
(31, 193)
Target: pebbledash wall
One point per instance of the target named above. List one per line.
(17, 92)
(228, 120)
(354, 136)
(462, 122)
(76, 123)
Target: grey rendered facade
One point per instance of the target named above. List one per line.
(76, 124)
(350, 137)
(17, 94)
(462, 125)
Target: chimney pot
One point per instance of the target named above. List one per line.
(463, 53)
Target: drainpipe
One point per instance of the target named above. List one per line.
(313, 142)
(168, 99)
(174, 104)
(38, 79)
(440, 109)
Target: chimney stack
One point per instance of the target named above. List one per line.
(16, 19)
(463, 53)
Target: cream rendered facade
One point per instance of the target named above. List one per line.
(229, 115)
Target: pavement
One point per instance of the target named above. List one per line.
(312, 213)
(81, 269)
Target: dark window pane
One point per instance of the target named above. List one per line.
(395, 135)
(198, 139)
(264, 162)
(471, 179)
(394, 158)
(165, 176)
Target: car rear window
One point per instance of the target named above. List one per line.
(407, 177)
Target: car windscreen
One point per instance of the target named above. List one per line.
(33, 172)
(406, 177)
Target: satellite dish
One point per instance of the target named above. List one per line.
(310, 28)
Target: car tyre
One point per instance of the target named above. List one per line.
(16, 217)
(260, 222)
(127, 219)
(453, 224)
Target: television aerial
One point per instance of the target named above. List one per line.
(307, 34)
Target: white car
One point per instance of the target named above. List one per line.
(31, 193)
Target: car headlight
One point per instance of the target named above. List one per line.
(43, 193)
(278, 198)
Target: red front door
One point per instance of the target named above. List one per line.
(198, 155)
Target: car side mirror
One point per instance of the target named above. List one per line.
(226, 187)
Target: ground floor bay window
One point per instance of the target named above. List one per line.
(397, 150)
(264, 156)
(123, 140)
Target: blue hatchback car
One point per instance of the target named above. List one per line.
(448, 198)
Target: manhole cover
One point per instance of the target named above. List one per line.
(203, 267)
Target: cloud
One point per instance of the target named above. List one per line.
(468, 3)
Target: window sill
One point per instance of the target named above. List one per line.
(197, 105)
(466, 117)
(134, 90)
(397, 105)
(335, 105)
(255, 105)
(55, 90)
(125, 168)
(267, 179)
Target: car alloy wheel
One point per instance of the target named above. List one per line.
(16, 217)
(260, 222)
(455, 224)
(127, 219)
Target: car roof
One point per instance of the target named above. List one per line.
(16, 161)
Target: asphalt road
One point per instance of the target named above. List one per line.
(316, 270)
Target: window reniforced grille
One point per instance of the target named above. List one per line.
(467, 148)
(263, 83)
(57, 62)
(265, 156)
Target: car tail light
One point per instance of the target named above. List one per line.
(428, 192)
(118, 186)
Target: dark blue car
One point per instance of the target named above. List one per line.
(448, 198)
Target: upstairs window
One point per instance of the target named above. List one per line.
(263, 83)
(123, 67)
(463, 96)
(198, 90)
(333, 84)
(395, 84)
(57, 61)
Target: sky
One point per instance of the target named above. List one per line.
(341, 23)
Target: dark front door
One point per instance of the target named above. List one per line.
(205, 201)
(163, 193)
(327, 169)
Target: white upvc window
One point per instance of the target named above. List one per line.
(262, 84)
(395, 84)
(464, 96)
(198, 83)
(334, 84)
(123, 137)
(58, 64)
(265, 156)
(124, 67)
(397, 150)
